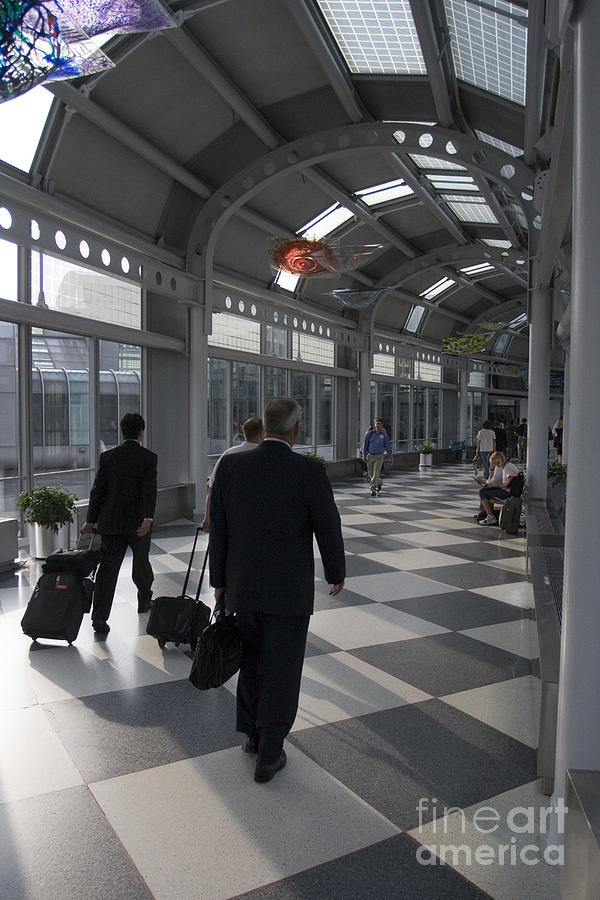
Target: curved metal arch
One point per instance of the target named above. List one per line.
(512, 174)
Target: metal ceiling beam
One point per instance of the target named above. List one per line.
(423, 19)
(536, 57)
(498, 210)
(431, 200)
(337, 77)
(471, 286)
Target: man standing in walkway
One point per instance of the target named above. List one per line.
(376, 444)
(253, 436)
(121, 507)
(265, 508)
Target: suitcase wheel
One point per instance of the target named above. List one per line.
(177, 643)
(161, 642)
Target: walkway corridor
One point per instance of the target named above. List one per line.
(119, 780)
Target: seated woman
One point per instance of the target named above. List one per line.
(496, 487)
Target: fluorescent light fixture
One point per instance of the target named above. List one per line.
(478, 269)
(375, 37)
(382, 193)
(438, 288)
(326, 222)
(518, 321)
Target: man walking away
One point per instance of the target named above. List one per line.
(121, 507)
(376, 444)
(265, 508)
(253, 436)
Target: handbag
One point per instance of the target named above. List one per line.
(218, 654)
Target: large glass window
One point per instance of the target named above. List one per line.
(302, 391)
(276, 342)
(386, 406)
(74, 289)
(311, 349)
(9, 417)
(235, 333)
(119, 390)
(22, 120)
(434, 416)
(8, 270)
(275, 383)
(244, 397)
(403, 418)
(217, 407)
(419, 413)
(325, 416)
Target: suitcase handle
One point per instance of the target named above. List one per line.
(189, 568)
(202, 575)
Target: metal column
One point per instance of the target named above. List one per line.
(463, 409)
(540, 319)
(198, 401)
(578, 736)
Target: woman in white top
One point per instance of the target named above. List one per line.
(486, 444)
(496, 487)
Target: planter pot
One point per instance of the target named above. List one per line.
(425, 459)
(43, 541)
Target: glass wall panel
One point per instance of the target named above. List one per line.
(275, 383)
(276, 342)
(386, 406)
(419, 394)
(217, 407)
(82, 292)
(235, 333)
(434, 417)
(475, 412)
(325, 416)
(8, 271)
(120, 389)
(9, 419)
(403, 419)
(244, 397)
(302, 391)
(60, 411)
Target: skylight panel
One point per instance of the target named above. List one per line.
(500, 145)
(518, 321)
(501, 342)
(478, 269)
(414, 319)
(326, 222)
(376, 37)
(493, 242)
(438, 288)
(382, 193)
(286, 280)
(489, 48)
(453, 182)
(430, 162)
(470, 209)
(22, 121)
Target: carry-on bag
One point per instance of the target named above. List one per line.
(180, 619)
(218, 654)
(56, 607)
(83, 560)
(510, 515)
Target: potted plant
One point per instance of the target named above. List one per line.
(557, 487)
(426, 454)
(47, 511)
(318, 458)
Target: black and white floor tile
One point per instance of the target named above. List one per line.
(419, 707)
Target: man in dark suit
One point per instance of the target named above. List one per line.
(265, 508)
(121, 507)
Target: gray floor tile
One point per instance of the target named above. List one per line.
(395, 757)
(60, 845)
(445, 663)
(383, 871)
(455, 609)
(124, 731)
(470, 575)
(356, 565)
(480, 551)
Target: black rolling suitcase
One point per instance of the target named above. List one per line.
(180, 619)
(63, 593)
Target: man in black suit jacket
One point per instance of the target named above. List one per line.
(265, 508)
(122, 503)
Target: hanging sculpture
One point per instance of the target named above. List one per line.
(306, 258)
(43, 41)
(465, 344)
(358, 299)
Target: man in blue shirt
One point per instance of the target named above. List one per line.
(375, 446)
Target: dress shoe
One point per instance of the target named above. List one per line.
(264, 772)
(250, 745)
(145, 606)
(100, 626)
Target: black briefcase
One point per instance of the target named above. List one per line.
(180, 619)
(218, 654)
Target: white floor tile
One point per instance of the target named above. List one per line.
(395, 586)
(363, 626)
(419, 558)
(32, 759)
(510, 563)
(442, 524)
(512, 707)
(433, 538)
(518, 594)
(203, 828)
(518, 637)
(362, 519)
(337, 686)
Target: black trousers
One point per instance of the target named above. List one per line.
(113, 549)
(269, 680)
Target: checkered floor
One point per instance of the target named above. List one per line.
(420, 692)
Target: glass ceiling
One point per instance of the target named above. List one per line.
(489, 47)
(22, 120)
(376, 37)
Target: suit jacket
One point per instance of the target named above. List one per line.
(124, 490)
(265, 508)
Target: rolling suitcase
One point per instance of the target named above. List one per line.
(180, 619)
(56, 607)
(510, 515)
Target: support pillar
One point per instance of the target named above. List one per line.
(198, 403)
(578, 727)
(365, 392)
(540, 322)
(463, 408)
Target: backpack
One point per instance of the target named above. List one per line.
(510, 515)
(517, 485)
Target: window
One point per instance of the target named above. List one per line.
(419, 395)
(302, 391)
(9, 417)
(383, 364)
(382, 193)
(276, 342)
(414, 319)
(235, 333)
(8, 269)
(403, 418)
(425, 371)
(22, 121)
(436, 289)
(217, 409)
(326, 222)
(311, 349)
(244, 397)
(325, 416)
(286, 280)
(275, 383)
